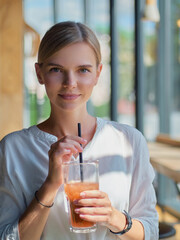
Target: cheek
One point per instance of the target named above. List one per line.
(88, 82)
(87, 88)
(51, 86)
(51, 82)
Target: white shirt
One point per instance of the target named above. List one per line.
(126, 175)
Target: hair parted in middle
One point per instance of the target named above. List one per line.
(66, 33)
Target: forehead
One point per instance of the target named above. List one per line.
(76, 53)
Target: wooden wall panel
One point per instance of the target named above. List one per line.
(11, 62)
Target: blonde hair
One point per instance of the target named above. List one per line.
(65, 33)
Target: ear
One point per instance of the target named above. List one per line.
(99, 69)
(38, 73)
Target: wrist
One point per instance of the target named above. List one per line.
(50, 186)
(42, 204)
(118, 221)
(128, 225)
(46, 194)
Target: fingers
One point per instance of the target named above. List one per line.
(94, 206)
(67, 145)
(76, 139)
(94, 211)
(94, 198)
(95, 218)
(62, 151)
(93, 194)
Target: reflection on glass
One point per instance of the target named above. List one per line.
(125, 23)
(38, 17)
(70, 10)
(98, 19)
(151, 117)
(175, 71)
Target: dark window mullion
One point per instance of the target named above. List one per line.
(139, 88)
(164, 63)
(114, 59)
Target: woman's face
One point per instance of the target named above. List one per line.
(69, 76)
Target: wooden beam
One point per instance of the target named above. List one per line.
(11, 62)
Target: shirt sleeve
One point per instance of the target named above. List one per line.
(9, 205)
(10, 232)
(142, 195)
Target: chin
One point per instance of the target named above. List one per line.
(70, 108)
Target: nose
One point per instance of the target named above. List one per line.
(70, 80)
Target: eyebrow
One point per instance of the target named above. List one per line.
(54, 64)
(81, 66)
(86, 65)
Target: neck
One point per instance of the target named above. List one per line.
(65, 123)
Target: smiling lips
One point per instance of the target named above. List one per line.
(69, 96)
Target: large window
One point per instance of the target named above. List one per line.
(161, 87)
(40, 15)
(150, 79)
(126, 94)
(175, 69)
(97, 18)
(158, 68)
(160, 64)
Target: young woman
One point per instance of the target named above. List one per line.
(69, 65)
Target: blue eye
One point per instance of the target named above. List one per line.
(55, 69)
(84, 70)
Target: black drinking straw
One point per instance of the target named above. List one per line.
(80, 154)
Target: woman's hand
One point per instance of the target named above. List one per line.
(96, 207)
(60, 152)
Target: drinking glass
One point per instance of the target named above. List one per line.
(79, 177)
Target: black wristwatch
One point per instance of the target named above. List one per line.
(129, 225)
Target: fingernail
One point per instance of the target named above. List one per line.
(82, 194)
(75, 202)
(67, 150)
(76, 210)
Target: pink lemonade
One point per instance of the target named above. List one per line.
(73, 191)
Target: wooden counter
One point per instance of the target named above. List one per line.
(165, 159)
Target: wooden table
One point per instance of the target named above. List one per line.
(165, 159)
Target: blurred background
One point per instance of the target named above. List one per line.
(139, 84)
